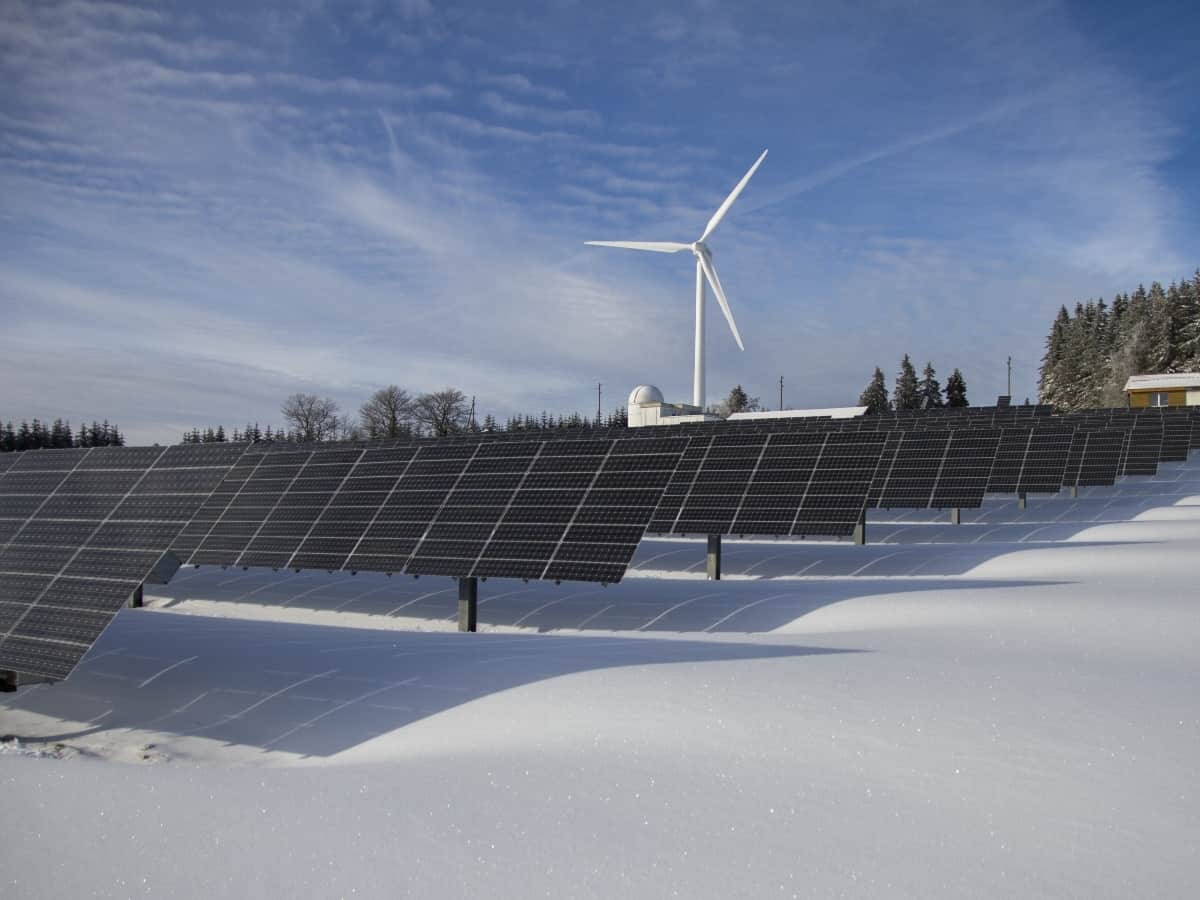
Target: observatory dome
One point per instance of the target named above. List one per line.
(645, 393)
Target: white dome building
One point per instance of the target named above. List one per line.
(644, 394)
(647, 406)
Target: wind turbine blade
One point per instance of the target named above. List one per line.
(710, 274)
(724, 207)
(654, 246)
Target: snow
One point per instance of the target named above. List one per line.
(1005, 707)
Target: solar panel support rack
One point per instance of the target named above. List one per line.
(468, 603)
(8, 681)
(713, 557)
(955, 516)
(860, 529)
(1022, 501)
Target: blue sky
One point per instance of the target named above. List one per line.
(204, 207)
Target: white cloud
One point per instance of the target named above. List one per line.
(586, 118)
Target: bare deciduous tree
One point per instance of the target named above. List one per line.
(388, 414)
(310, 417)
(441, 412)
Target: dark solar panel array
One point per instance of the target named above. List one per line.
(1095, 457)
(81, 530)
(1143, 449)
(554, 509)
(781, 483)
(935, 469)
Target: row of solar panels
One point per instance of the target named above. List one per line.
(80, 530)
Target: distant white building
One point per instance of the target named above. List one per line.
(1175, 389)
(648, 407)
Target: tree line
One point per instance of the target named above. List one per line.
(37, 435)
(911, 393)
(1091, 353)
(393, 412)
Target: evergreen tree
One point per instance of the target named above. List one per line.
(1189, 316)
(929, 391)
(1161, 349)
(956, 390)
(905, 394)
(875, 396)
(1050, 383)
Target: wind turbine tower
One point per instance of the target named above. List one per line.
(705, 273)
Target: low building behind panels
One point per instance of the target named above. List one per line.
(1175, 389)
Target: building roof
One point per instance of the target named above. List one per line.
(840, 412)
(1176, 381)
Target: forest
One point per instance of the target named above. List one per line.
(36, 435)
(1093, 350)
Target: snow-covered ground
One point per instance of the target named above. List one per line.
(1008, 707)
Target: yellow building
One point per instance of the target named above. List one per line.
(1179, 389)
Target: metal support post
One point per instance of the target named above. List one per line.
(8, 681)
(468, 603)
(1021, 501)
(137, 597)
(714, 557)
(860, 529)
(1074, 492)
(955, 516)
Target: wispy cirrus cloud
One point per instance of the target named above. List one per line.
(585, 118)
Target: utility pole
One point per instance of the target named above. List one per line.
(598, 387)
(1010, 376)
(781, 393)
(471, 423)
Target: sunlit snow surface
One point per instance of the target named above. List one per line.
(1009, 707)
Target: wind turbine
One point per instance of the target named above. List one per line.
(704, 272)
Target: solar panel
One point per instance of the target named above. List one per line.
(1010, 457)
(103, 520)
(1045, 461)
(1177, 435)
(935, 469)
(963, 478)
(779, 483)
(909, 476)
(1095, 458)
(1144, 449)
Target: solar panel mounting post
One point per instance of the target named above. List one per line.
(1021, 500)
(8, 681)
(860, 528)
(468, 603)
(955, 516)
(713, 557)
(137, 598)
